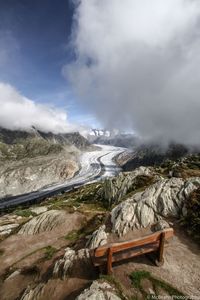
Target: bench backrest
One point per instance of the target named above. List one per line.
(146, 240)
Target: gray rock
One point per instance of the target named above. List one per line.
(64, 265)
(44, 222)
(165, 198)
(160, 225)
(8, 223)
(98, 238)
(39, 210)
(7, 229)
(117, 187)
(99, 291)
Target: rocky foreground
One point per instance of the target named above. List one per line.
(44, 250)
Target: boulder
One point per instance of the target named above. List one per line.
(99, 290)
(46, 221)
(7, 229)
(165, 198)
(98, 238)
(160, 225)
(64, 265)
(8, 223)
(39, 209)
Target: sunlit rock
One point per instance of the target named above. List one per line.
(99, 290)
(165, 198)
(98, 238)
(44, 222)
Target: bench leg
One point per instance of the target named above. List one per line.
(109, 262)
(160, 259)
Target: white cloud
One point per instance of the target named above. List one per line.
(137, 64)
(19, 112)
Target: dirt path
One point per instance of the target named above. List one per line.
(181, 268)
(18, 247)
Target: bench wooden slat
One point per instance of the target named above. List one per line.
(129, 253)
(115, 252)
(116, 247)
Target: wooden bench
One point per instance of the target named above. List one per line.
(116, 252)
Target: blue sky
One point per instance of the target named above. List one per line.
(34, 46)
(133, 70)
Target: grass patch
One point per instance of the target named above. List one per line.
(49, 252)
(25, 213)
(137, 277)
(73, 235)
(78, 238)
(78, 199)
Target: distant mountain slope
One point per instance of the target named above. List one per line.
(119, 140)
(32, 159)
(28, 141)
(155, 155)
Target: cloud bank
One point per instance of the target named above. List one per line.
(137, 64)
(19, 112)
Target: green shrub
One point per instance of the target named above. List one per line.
(49, 252)
(72, 236)
(25, 213)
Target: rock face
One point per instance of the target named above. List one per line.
(44, 222)
(99, 290)
(98, 238)
(115, 188)
(165, 198)
(64, 266)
